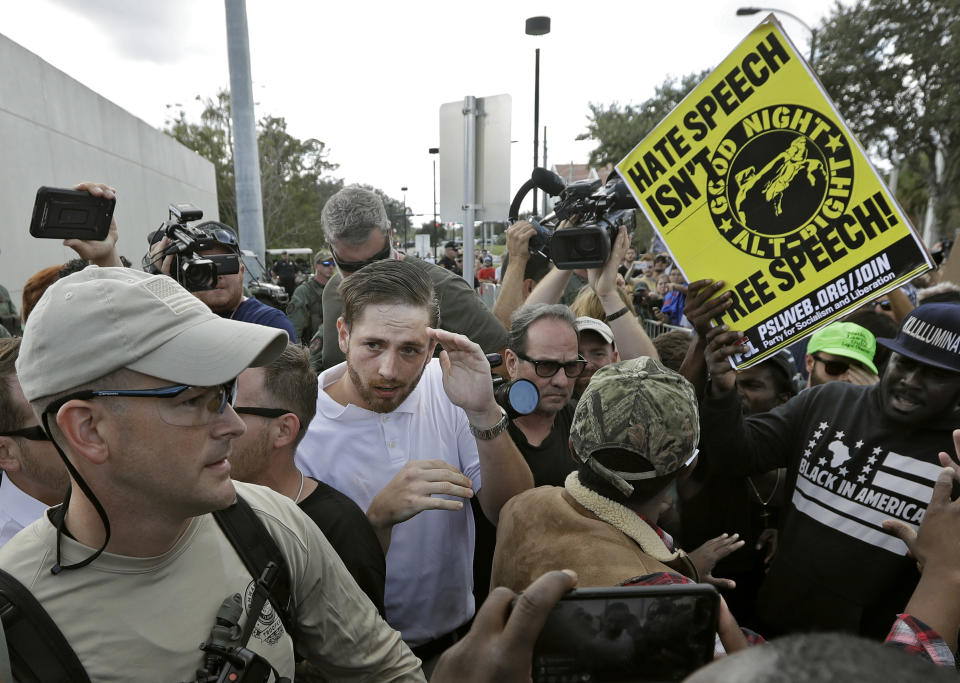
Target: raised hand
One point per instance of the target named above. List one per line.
(705, 558)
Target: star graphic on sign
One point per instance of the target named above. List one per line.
(813, 442)
(807, 452)
(861, 479)
(823, 425)
(725, 226)
(817, 434)
(839, 435)
(834, 143)
(872, 459)
(877, 450)
(822, 462)
(842, 471)
(867, 469)
(858, 444)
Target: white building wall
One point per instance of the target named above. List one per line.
(55, 131)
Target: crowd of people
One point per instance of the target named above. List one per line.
(401, 509)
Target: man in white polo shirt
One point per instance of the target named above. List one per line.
(409, 438)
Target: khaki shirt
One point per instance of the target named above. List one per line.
(150, 613)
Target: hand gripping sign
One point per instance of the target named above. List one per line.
(756, 180)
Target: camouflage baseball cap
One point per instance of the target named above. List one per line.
(642, 407)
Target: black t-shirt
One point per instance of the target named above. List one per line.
(550, 462)
(285, 270)
(351, 535)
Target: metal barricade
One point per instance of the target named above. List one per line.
(654, 328)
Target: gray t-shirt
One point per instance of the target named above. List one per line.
(148, 614)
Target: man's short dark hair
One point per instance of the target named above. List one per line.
(388, 282)
(672, 347)
(525, 316)
(292, 384)
(840, 658)
(12, 414)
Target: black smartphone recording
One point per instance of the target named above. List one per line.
(71, 214)
(628, 633)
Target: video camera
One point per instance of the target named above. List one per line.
(194, 272)
(599, 208)
(517, 397)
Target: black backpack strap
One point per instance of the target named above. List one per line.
(38, 651)
(256, 548)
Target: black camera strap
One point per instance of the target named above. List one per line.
(39, 653)
(257, 550)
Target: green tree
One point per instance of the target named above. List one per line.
(892, 68)
(618, 130)
(294, 185)
(295, 175)
(212, 139)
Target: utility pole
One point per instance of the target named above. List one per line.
(246, 160)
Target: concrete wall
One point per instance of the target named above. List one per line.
(56, 132)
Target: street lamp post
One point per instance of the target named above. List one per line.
(748, 11)
(434, 151)
(536, 26)
(403, 247)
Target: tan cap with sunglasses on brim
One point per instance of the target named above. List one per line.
(848, 340)
(100, 320)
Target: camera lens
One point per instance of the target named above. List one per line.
(198, 275)
(587, 245)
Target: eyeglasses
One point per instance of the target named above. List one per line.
(34, 433)
(193, 410)
(271, 413)
(548, 368)
(354, 266)
(884, 304)
(326, 262)
(835, 368)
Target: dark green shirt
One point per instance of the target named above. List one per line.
(461, 311)
(305, 309)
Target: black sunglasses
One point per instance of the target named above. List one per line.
(548, 368)
(35, 433)
(354, 266)
(271, 413)
(834, 368)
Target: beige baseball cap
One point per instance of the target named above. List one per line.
(592, 324)
(99, 320)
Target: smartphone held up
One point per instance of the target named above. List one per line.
(71, 214)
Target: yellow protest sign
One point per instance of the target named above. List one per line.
(756, 180)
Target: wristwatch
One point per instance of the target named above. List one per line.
(494, 431)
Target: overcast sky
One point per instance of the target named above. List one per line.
(368, 78)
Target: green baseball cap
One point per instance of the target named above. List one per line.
(848, 340)
(642, 407)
